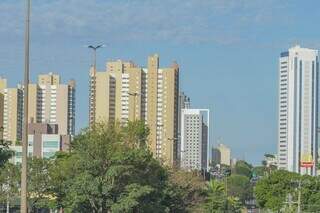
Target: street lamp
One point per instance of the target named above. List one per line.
(92, 96)
(24, 169)
(134, 94)
(95, 48)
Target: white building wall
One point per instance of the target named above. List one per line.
(191, 139)
(298, 90)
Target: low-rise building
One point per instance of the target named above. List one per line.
(44, 141)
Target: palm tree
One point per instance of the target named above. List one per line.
(215, 197)
(234, 204)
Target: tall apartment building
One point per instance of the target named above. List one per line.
(126, 91)
(298, 109)
(53, 103)
(183, 103)
(222, 154)
(194, 139)
(49, 102)
(12, 111)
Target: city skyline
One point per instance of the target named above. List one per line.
(226, 87)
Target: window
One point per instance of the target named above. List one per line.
(50, 144)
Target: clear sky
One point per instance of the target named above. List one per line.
(227, 50)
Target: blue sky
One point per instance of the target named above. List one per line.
(227, 51)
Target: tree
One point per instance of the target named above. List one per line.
(217, 201)
(243, 168)
(108, 169)
(5, 152)
(9, 183)
(39, 184)
(185, 191)
(259, 171)
(271, 191)
(239, 186)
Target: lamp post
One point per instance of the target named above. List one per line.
(134, 94)
(92, 96)
(24, 169)
(95, 48)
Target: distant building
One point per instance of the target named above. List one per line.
(221, 155)
(44, 141)
(234, 162)
(184, 103)
(127, 92)
(52, 102)
(298, 109)
(216, 156)
(12, 112)
(194, 139)
(49, 102)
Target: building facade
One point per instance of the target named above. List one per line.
(12, 112)
(184, 103)
(222, 154)
(298, 109)
(127, 92)
(194, 139)
(44, 141)
(52, 102)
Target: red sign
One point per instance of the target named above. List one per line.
(307, 164)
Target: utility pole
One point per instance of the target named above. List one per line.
(24, 169)
(299, 197)
(92, 95)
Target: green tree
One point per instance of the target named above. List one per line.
(108, 169)
(239, 186)
(185, 191)
(9, 183)
(272, 191)
(243, 168)
(234, 204)
(39, 184)
(216, 199)
(5, 152)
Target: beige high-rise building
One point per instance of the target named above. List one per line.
(53, 103)
(12, 112)
(224, 156)
(126, 91)
(49, 102)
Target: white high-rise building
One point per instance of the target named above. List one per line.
(195, 139)
(298, 109)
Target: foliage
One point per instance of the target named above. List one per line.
(239, 186)
(5, 152)
(243, 168)
(259, 171)
(9, 183)
(186, 190)
(110, 169)
(271, 191)
(39, 183)
(217, 201)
